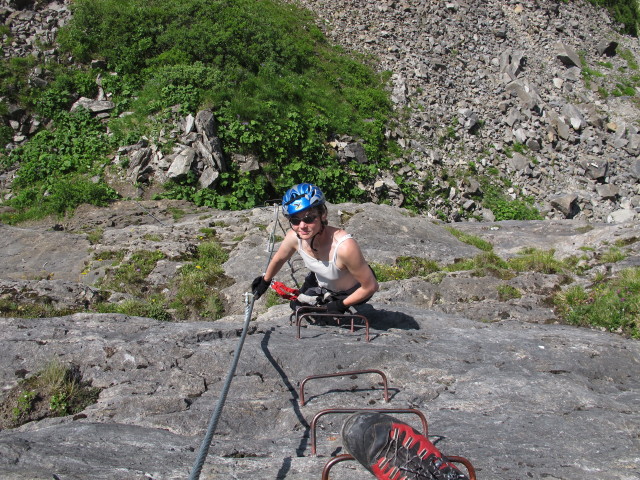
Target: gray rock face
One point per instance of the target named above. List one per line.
(500, 74)
(515, 399)
(508, 388)
(47, 255)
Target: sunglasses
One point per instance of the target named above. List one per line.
(306, 219)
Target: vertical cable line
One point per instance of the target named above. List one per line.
(213, 422)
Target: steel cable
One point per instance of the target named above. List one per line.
(213, 422)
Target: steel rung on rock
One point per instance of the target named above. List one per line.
(304, 312)
(344, 374)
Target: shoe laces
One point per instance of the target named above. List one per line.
(406, 457)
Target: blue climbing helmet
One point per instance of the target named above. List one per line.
(301, 197)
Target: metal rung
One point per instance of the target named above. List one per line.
(329, 465)
(301, 313)
(425, 427)
(344, 374)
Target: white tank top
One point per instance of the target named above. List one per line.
(328, 274)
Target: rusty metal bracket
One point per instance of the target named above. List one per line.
(301, 313)
(344, 374)
(425, 427)
(465, 462)
(334, 460)
(344, 457)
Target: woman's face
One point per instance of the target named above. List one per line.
(306, 224)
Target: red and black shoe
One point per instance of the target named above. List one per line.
(392, 450)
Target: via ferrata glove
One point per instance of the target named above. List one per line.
(336, 306)
(259, 286)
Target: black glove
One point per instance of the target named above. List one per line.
(336, 306)
(259, 286)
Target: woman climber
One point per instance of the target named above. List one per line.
(339, 275)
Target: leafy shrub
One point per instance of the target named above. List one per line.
(57, 96)
(14, 76)
(280, 91)
(73, 145)
(6, 134)
(60, 198)
(54, 166)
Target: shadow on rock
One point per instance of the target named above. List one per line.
(387, 319)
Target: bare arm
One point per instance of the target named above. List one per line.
(287, 248)
(350, 255)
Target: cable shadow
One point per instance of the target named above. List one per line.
(304, 441)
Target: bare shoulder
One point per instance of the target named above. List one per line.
(290, 241)
(348, 246)
(338, 234)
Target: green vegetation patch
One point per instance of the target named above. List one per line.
(612, 255)
(405, 267)
(626, 12)
(60, 168)
(196, 296)
(152, 307)
(506, 208)
(11, 308)
(534, 260)
(612, 304)
(508, 292)
(131, 274)
(470, 239)
(486, 263)
(55, 391)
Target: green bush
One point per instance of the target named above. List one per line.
(14, 76)
(278, 89)
(55, 167)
